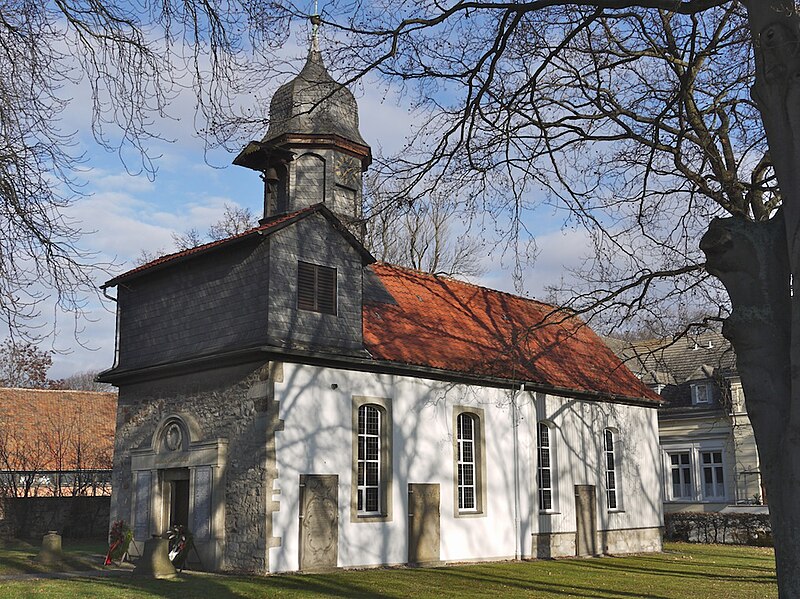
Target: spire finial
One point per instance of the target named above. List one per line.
(315, 22)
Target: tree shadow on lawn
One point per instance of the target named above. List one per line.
(19, 557)
(689, 567)
(189, 585)
(556, 587)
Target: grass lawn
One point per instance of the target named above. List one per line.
(18, 557)
(682, 571)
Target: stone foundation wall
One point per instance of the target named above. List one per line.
(232, 403)
(634, 540)
(631, 540)
(73, 517)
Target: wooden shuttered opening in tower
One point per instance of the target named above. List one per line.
(316, 288)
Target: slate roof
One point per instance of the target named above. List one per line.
(267, 227)
(443, 323)
(313, 103)
(45, 429)
(675, 362)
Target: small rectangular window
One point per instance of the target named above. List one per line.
(701, 394)
(316, 288)
(369, 460)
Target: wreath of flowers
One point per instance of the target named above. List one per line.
(119, 538)
(180, 541)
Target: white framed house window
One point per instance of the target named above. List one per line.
(701, 394)
(695, 472)
(612, 470)
(680, 473)
(545, 467)
(713, 476)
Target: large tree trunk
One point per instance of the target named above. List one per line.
(758, 263)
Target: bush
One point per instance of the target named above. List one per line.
(714, 527)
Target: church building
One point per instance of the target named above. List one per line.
(299, 406)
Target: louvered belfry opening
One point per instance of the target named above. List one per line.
(316, 288)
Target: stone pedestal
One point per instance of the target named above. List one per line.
(50, 553)
(154, 561)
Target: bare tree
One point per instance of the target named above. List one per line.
(82, 381)
(421, 234)
(634, 115)
(23, 364)
(644, 120)
(235, 220)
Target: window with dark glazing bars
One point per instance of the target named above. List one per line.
(466, 463)
(544, 472)
(369, 459)
(611, 471)
(316, 288)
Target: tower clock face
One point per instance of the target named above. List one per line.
(348, 170)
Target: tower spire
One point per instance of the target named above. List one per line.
(315, 22)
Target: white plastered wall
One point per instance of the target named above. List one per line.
(316, 404)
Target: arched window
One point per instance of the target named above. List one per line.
(371, 486)
(611, 470)
(545, 475)
(467, 495)
(469, 467)
(369, 459)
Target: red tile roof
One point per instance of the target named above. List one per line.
(443, 323)
(56, 430)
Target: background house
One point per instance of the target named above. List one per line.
(56, 442)
(298, 405)
(709, 453)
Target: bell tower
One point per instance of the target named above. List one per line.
(313, 151)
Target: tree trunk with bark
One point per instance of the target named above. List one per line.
(759, 263)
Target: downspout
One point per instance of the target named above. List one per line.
(514, 429)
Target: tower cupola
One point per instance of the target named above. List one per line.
(313, 151)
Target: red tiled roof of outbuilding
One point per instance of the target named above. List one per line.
(443, 323)
(43, 429)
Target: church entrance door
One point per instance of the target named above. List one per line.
(176, 496)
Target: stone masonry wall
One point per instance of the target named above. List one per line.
(73, 517)
(231, 403)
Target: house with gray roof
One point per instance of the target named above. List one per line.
(709, 454)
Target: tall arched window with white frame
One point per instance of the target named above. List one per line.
(611, 470)
(467, 495)
(369, 459)
(544, 467)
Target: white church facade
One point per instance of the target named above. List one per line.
(299, 406)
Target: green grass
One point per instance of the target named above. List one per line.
(682, 571)
(19, 557)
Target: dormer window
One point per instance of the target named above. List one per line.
(701, 394)
(316, 288)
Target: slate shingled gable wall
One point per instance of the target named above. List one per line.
(314, 240)
(210, 303)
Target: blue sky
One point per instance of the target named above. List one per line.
(124, 214)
